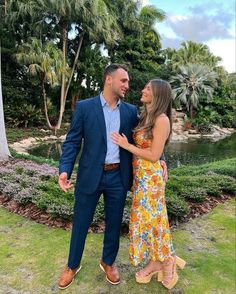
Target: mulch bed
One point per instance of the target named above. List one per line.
(32, 212)
(198, 209)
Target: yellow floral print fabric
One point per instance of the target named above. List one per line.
(149, 230)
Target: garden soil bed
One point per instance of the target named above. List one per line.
(32, 212)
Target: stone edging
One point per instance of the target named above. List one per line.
(180, 134)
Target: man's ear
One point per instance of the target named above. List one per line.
(108, 80)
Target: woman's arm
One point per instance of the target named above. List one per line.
(160, 134)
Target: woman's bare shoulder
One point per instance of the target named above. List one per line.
(162, 118)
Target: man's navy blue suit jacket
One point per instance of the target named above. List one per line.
(88, 126)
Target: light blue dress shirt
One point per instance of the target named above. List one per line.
(112, 120)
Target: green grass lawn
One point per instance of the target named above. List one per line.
(32, 257)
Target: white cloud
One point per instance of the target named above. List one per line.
(200, 28)
(226, 50)
(177, 17)
(222, 48)
(144, 2)
(215, 30)
(207, 22)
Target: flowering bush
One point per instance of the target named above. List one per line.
(22, 180)
(27, 181)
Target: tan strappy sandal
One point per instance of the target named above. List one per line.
(169, 274)
(146, 279)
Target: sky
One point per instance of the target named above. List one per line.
(202, 21)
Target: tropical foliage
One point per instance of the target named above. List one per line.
(45, 61)
(192, 82)
(54, 53)
(221, 109)
(191, 52)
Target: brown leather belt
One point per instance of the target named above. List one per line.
(111, 166)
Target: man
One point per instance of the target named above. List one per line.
(104, 168)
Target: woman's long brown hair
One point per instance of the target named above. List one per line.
(161, 103)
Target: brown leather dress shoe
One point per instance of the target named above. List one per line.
(67, 277)
(111, 271)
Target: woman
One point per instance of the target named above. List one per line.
(150, 236)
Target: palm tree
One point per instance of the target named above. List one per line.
(87, 17)
(45, 61)
(191, 52)
(91, 17)
(149, 15)
(192, 82)
(136, 25)
(4, 151)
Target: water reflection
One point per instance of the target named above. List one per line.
(51, 150)
(200, 151)
(193, 152)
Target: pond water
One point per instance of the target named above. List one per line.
(200, 151)
(196, 151)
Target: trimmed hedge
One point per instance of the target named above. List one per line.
(225, 167)
(27, 181)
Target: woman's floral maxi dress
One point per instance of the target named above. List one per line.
(149, 231)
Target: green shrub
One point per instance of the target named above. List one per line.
(25, 115)
(194, 194)
(220, 110)
(19, 170)
(196, 187)
(58, 203)
(223, 167)
(229, 120)
(227, 184)
(176, 206)
(99, 213)
(126, 215)
(174, 184)
(53, 200)
(26, 181)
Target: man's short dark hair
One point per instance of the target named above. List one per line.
(112, 68)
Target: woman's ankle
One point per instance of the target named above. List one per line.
(168, 260)
(152, 266)
(155, 264)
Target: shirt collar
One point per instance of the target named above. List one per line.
(104, 103)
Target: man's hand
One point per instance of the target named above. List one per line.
(64, 183)
(165, 171)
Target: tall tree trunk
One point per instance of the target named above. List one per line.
(4, 151)
(46, 106)
(190, 104)
(191, 111)
(63, 80)
(74, 65)
(63, 101)
(5, 8)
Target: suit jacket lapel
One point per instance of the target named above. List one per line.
(100, 117)
(122, 117)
